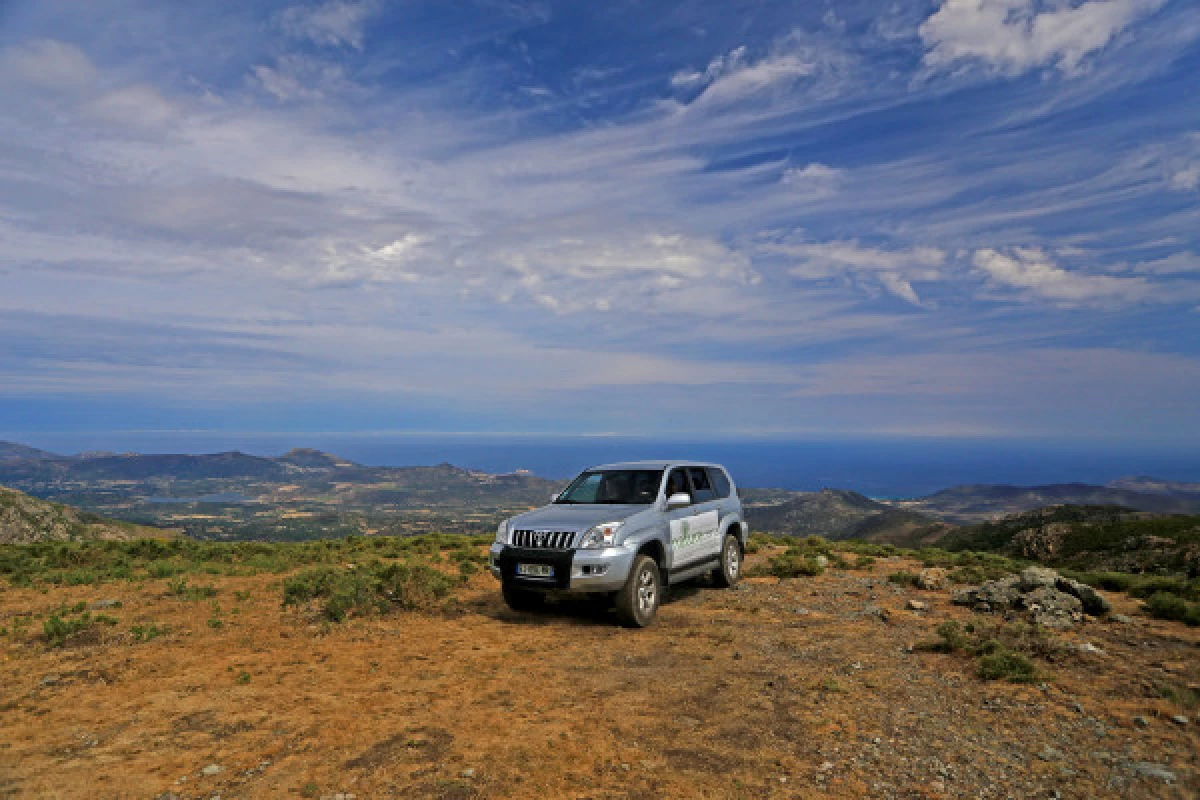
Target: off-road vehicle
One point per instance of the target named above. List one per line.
(626, 531)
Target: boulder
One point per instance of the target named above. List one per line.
(1093, 602)
(1051, 608)
(998, 595)
(1036, 578)
(931, 578)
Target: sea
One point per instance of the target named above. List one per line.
(881, 467)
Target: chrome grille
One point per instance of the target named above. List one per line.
(549, 540)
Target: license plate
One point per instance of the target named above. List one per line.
(535, 570)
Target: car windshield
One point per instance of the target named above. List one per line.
(613, 487)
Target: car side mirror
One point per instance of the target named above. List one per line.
(679, 500)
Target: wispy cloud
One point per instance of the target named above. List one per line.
(1033, 273)
(337, 23)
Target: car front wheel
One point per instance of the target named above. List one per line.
(638, 600)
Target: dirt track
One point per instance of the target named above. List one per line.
(792, 689)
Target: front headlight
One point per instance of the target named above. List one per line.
(502, 533)
(603, 535)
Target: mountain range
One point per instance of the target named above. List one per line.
(307, 493)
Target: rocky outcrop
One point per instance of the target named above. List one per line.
(1042, 595)
(25, 519)
(1041, 543)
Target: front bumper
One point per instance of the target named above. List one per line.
(574, 570)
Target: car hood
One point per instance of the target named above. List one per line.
(574, 518)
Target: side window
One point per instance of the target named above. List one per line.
(703, 489)
(720, 481)
(677, 482)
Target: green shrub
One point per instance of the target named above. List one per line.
(374, 587)
(1170, 606)
(144, 633)
(179, 587)
(1002, 664)
(1181, 696)
(903, 578)
(59, 629)
(794, 563)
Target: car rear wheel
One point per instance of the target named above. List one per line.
(637, 602)
(730, 570)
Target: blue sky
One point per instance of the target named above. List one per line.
(970, 218)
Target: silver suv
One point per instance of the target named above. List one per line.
(627, 531)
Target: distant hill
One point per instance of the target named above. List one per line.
(974, 503)
(11, 451)
(1155, 486)
(307, 457)
(25, 519)
(1109, 538)
(839, 514)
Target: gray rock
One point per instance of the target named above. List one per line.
(999, 595)
(1121, 618)
(1050, 754)
(1141, 721)
(1036, 578)
(1180, 719)
(1088, 647)
(1093, 602)
(99, 604)
(467, 773)
(822, 561)
(931, 578)
(876, 611)
(1051, 608)
(1149, 770)
(917, 605)
(212, 769)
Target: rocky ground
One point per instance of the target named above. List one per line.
(809, 687)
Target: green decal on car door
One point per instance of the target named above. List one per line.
(692, 537)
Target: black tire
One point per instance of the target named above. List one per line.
(637, 601)
(730, 570)
(519, 599)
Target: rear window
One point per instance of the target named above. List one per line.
(720, 481)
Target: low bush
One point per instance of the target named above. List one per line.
(59, 629)
(1006, 665)
(1169, 606)
(1003, 650)
(376, 586)
(903, 578)
(794, 563)
(144, 633)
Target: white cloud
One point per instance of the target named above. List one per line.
(1186, 179)
(814, 180)
(732, 78)
(137, 106)
(893, 270)
(332, 24)
(1013, 36)
(48, 64)
(295, 77)
(1032, 271)
(1174, 264)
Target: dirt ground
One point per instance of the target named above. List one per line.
(801, 688)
